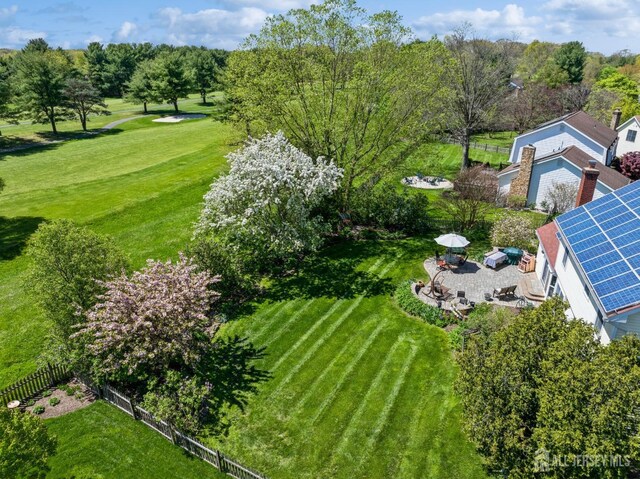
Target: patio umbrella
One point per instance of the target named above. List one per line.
(452, 240)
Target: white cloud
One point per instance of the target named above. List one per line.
(14, 37)
(93, 38)
(126, 32)
(273, 4)
(7, 14)
(491, 23)
(211, 27)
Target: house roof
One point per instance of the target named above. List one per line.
(604, 239)
(587, 125)
(549, 240)
(608, 176)
(626, 123)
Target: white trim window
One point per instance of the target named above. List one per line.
(631, 136)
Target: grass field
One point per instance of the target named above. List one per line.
(358, 389)
(101, 442)
(142, 184)
(25, 131)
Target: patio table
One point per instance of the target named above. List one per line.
(513, 254)
(495, 259)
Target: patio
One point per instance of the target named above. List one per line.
(476, 279)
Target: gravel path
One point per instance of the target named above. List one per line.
(39, 144)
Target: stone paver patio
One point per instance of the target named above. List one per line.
(475, 280)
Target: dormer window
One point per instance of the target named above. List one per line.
(631, 136)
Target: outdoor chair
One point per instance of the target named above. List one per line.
(508, 291)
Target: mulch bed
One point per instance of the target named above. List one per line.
(68, 403)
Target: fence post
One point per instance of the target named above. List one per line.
(219, 459)
(52, 377)
(133, 408)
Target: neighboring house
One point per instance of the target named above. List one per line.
(533, 176)
(516, 85)
(629, 136)
(591, 257)
(574, 129)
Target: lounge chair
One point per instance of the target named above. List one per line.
(508, 291)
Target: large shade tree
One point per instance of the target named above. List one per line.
(170, 77)
(340, 84)
(25, 445)
(84, 99)
(140, 89)
(479, 80)
(545, 383)
(41, 75)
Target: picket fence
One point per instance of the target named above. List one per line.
(212, 456)
(34, 384)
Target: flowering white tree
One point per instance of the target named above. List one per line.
(264, 207)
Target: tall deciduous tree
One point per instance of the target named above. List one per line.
(25, 445)
(170, 77)
(544, 382)
(41, 74)
(340, 84)
(67, 262)
(263, 208)
(204, 71)
(479, 81)
(140, 89)
(84, 99)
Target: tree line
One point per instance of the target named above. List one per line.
(45, 85)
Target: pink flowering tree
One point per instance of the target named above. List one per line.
(156, 319)
(630, 165)
(152, 334)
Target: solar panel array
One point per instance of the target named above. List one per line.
(605, 237)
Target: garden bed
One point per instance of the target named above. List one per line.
(67, 398)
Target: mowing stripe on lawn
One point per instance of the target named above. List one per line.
(388, 405)
(284, 326)
(271, 312)
(328, 400)
(361, 352)
(377, 381)
(328, 333)
(268, 322)
(309, 332)
(317, 324)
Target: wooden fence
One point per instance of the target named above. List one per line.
(34, 384)
(480, 146)
(212, 456)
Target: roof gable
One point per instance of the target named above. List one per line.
(608, 176)
(587, 125)
(628, 122)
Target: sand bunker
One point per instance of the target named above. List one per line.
(179, 118)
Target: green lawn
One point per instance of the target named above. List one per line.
(13, 134)
(438, 159)
(142, 184)
(101, 442)
(497, 138)
(358, 389)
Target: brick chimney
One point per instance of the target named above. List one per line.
(587, 184)
(615, 118)
(520, 184)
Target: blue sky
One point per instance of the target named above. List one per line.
(602, 25)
